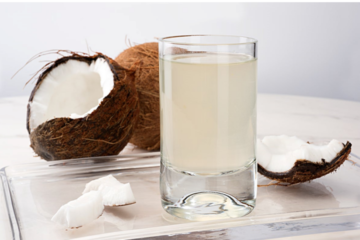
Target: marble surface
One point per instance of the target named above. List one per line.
(308, 118)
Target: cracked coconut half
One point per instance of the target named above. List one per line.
(82, 106)
(290, 160)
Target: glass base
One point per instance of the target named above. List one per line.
(202, 198)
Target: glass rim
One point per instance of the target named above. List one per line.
(168, 40)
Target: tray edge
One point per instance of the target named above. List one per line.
(10, 206)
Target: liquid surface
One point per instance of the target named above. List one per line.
(208, 112)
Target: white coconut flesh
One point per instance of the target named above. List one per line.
(113, 192)
(279, 153)
(117, 195)
(73, 89)
(95, 184)
(81, 211)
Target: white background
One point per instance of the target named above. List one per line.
(308, 49)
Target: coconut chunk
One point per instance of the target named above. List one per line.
(113, 192)
(81, 211)
(290, 160)
(117, 195)
(95, 184)
(279, 153)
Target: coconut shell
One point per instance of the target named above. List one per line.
(105, 131)
(304, 170)
(147, 132)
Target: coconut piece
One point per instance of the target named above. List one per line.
(291, 160)
(147, 132)
(81, 211)
(113, 192)
(82, 106)
(117, 195)
(95, 184)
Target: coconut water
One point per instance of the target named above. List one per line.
(208, 112)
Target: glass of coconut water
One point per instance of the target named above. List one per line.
(208, 126)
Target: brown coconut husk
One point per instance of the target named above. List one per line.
(305, 171)
(103, 132)
(147, 132)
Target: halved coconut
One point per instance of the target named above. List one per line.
(81, 211)
(291, 160)
(82, 106)
(114, 193)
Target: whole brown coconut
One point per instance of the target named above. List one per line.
(304, 170)
(104, 131)
(147, 132)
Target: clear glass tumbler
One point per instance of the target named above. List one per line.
(208, 126)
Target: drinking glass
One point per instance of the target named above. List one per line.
(208, 126)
